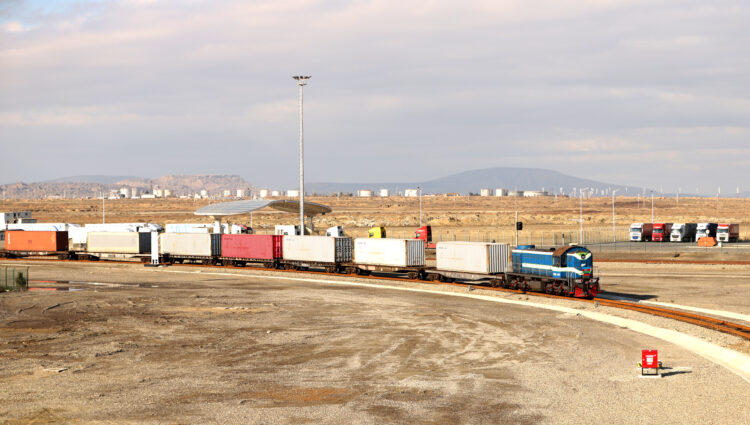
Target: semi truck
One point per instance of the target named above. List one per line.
(728, 232)
(425, 233)
(683, 232)
(661, 232)
(287, 230)
(641, 232)
(706, 230)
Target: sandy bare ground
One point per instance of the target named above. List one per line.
(724, 287)
(137, 345)
(451, 217)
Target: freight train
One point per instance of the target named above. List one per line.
(567, 270)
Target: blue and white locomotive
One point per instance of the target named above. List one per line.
(567, 270)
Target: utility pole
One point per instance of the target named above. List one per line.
(516, 224)
(718, 195)
(614, 234)
(301, 82)
(104, 209)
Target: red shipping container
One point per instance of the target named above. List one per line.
(258, 247)
(37, 241)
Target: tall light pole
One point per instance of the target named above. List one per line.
(580, 219)
(301, 82)
(420, 205)
(652, 207)
(614, 234)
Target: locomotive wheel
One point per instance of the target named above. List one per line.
(432, 277)
(412, 275)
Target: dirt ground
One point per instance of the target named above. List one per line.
(176, 345)
(721, 287)
(462, 218)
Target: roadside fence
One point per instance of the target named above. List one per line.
(14, 279)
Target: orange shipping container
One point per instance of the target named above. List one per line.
(707, 241)
(38, 241)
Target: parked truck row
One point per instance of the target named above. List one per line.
(683, 232)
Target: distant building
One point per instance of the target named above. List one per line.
(125, 192)
(227, 193)
(384, 193)
(263, 193)
(158, 193)
(167, 193)
(484, 192)
(275, 193)
(292, 193)
(535, 193)
(148, 196)
(240, 193)
(15, 217)
(204, 193)
(411, 193)
(363, 193)
(501, 192)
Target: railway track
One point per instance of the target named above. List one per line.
(708, 322)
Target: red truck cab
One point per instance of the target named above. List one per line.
(728, 232)
(425, 233)
(661, 232)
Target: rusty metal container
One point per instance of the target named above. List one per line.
(36, 241)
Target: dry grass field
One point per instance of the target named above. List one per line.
(451, 217)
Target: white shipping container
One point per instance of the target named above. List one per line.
(472, 257)
(30, 227)
(188, 244)
(320, 249)
(389, 252)
(122, 227)
(118, 242)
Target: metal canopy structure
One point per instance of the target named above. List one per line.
(225, 209)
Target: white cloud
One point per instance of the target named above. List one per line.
(13, 27)
(469, 84)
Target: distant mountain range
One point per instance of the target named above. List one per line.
(93, 186)
(92, 179)
(472, 181)
(491, 178)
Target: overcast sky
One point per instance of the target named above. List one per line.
(648, 93)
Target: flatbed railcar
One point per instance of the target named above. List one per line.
(241, 249)
(567, 270)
